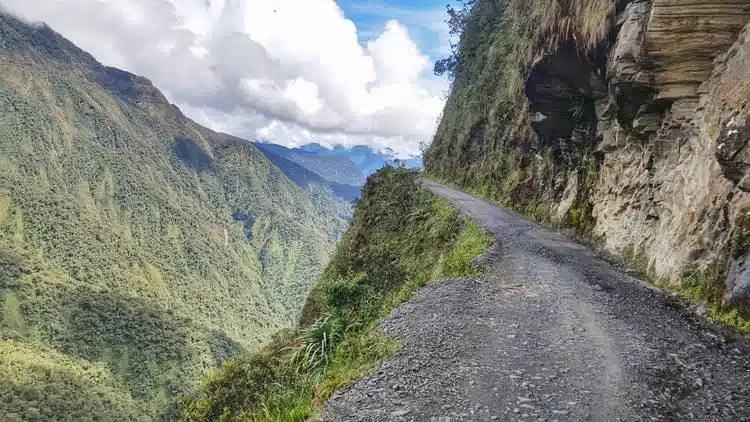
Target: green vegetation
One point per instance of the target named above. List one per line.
(401, 238)
(485, 142)
(138, 250)
(705, 286)
(40, 384)
(522, 190)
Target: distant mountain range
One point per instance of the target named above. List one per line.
(290, 164)
(334, 168)
(343, 169)
(366, 158)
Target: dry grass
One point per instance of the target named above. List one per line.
(542, 26)
(585, 21)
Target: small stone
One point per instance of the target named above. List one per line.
(401, 412)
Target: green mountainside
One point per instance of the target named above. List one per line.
(306, 178)
(138, 250)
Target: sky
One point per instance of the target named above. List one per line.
(285, 71)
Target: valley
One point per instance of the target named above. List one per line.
(138, 250)
(344, 170)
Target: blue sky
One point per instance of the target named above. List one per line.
(425, 20)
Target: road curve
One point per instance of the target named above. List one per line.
(550, 332)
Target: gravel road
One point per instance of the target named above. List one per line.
(551, 332)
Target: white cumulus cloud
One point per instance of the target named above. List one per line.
(288, 71)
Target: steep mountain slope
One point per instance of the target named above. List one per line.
(306, 178)
(137, 248)
(623, 120)
(334, 168)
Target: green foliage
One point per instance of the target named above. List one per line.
(118, 246)
(540, 211)
(457, 20)
(401, 237)
(704, 286)
(39, 384)
(471, 242)
(484, 142)
(13, 321)
(579, 217)
(346, 292)
(316, 343)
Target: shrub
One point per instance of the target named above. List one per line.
(347, 292)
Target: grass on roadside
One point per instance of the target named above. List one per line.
(401, 238)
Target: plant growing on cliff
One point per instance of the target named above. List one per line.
(458, 18)
(316, 342)
(487, 111)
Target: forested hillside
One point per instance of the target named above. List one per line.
(138, 249)
(288, 163)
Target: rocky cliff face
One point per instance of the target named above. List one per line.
(641, 142)
(671, 181)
